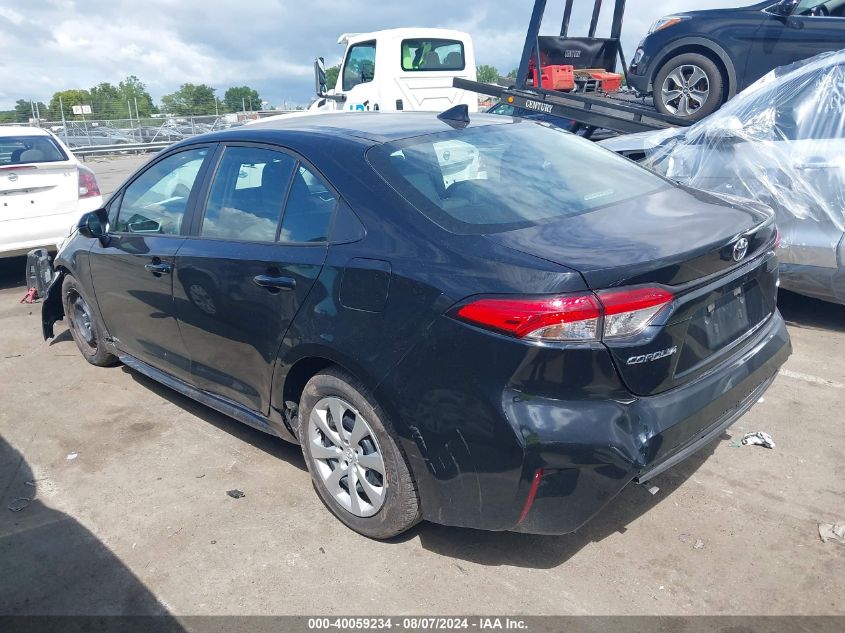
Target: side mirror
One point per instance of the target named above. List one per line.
(320, 77)
(94, 225)
(725, 128)
(785, 8)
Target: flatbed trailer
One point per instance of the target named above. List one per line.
(622, 112)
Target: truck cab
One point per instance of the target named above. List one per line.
(399, 69)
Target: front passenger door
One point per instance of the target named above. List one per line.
(251, 261)
(133, 274)
(813, 28)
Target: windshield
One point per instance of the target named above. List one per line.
(19, 150)
(503, 177)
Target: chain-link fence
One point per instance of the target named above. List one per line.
(82, 133)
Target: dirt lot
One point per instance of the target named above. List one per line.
(131, 512)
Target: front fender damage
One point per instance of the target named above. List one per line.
(52, 309)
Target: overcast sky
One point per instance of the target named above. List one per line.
(51, 45)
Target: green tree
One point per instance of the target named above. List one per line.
(23, 111)
(134, 91)
(191, 99)
(238, 98)
(331, 76)
(512, 74)
(68, 99)
(106, 102)
(7, 116)
(487, 74)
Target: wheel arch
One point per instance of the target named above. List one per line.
(295, 370)
(702, 46)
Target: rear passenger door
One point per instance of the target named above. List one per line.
(256, 247)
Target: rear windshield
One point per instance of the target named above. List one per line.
(504, 177)
(432, 54)
(17, 150)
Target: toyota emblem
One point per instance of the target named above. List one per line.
(13, 177)
(740, 249)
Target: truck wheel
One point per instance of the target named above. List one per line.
(357, 468)
(84, 327)
(689, 86)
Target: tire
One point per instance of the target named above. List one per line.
(83, 325)
(385, 504)
(689, 86)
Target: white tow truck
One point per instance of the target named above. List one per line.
(399, 69)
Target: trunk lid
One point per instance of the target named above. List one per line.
(684, 241)
(38, 189)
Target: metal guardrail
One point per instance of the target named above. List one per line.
(122, 148)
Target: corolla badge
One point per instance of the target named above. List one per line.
(647, 358)
(13, 176)
(740, 249)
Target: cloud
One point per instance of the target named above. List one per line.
(268, 44)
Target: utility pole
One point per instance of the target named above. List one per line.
(243, 105)
(32, 108)
(129, 106)
(137, 116)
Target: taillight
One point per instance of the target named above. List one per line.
(572, 317)
(628, 312)
(563, 318)
(88, 187)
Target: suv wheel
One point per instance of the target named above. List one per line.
(84, 327)
(689, 86)
(357, 468)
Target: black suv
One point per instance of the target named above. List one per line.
(693, 62)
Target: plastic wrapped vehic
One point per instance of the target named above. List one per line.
(779, 142)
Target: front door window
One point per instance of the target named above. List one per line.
(157, 200)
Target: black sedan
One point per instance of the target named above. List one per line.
(487, 323)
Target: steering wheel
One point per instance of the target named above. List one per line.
(820, 11)
(466, 189)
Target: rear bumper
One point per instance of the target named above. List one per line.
(478, 415)
(19, 236)
(641, 439)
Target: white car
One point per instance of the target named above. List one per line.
(44, 190)
(780, 142)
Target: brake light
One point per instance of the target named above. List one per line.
(571, 317)
(88, 187)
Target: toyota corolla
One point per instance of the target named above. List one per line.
(506, 348)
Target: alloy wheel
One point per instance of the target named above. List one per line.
(685, 90)
(347, 457)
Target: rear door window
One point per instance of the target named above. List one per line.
(247, 195)
(156, 201)
(20, 150)
(309, 209)
(432, 54)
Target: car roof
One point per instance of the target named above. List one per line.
(377, 127)
(22, 130)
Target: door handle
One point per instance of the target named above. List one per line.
(161, 268)
(274, 283)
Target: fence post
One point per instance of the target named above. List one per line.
(64, 123)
